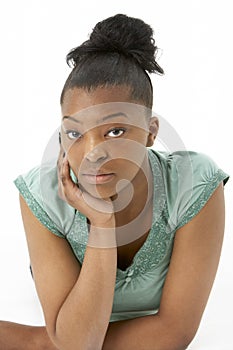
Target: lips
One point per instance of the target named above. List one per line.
(94, 176)
(98, 178)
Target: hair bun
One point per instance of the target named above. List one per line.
(125, 35)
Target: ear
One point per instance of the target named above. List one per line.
(153, 131)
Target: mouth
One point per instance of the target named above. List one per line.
(98, 178)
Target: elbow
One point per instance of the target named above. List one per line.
(182, 345)
(177, 336)
(182, 340)
(178, 344)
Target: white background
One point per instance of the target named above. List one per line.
(195, 96)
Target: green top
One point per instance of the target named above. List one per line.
(183, 183)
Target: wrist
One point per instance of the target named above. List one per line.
(103, 235)
(109, 222)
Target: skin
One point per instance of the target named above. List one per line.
(77, 311)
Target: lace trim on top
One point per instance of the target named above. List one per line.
(36, 208)
(203, 198)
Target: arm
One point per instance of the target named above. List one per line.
(191, 274)
(77, 302)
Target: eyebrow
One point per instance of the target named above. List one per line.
(110, 116)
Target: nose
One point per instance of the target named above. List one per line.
(97, 153)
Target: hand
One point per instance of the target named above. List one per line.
(99, 212)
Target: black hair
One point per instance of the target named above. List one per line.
(120, 51)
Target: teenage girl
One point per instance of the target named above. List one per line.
(124, 241)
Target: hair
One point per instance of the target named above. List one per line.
(120, 51)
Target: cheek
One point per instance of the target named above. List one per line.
(127, 169)
(129, 151)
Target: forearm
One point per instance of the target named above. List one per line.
(143, 333)
(83, 319)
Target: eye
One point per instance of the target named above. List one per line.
(116, 132)
(72, 134)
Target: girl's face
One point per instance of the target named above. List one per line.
(105, 136)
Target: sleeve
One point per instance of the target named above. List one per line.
(39, 189)
(196, 176)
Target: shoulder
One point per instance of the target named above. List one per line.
(182, 162)
(190, 178)
(39, 188)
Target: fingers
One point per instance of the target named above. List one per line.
(67, 189)
(59, 169)
(65, 177)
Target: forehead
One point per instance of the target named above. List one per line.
(77, 99)
(102, 106)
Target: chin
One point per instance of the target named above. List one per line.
(99, 191)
